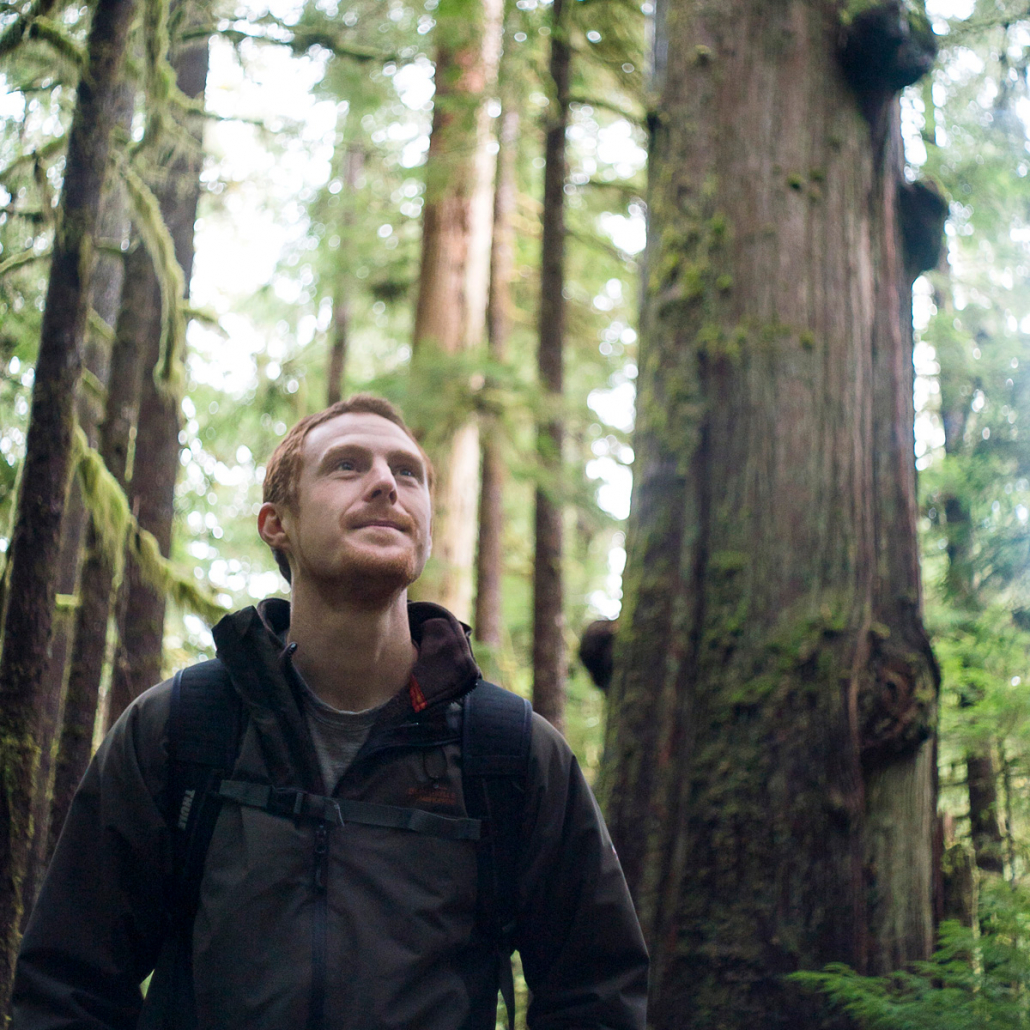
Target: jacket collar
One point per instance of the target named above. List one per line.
(253, 639)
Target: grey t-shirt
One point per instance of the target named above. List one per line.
(337, 735)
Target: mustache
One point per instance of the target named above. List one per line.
(367, 518)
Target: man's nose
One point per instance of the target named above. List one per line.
(382, 481)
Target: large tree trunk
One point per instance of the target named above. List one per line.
(105, 292)
(548, 617)
(36, 540)
(138, 320)
(137, 663)
(769, 766)
(451, 304)
(490, 555)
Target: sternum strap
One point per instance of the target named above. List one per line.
(299, 804)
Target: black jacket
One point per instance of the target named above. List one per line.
(391, 942)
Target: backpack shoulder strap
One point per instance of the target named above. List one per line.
(204, 727)
(203, 740)
(496, 733)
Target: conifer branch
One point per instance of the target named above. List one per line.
(26, 257)
(38, 154)
(15, 32)
(50, 32)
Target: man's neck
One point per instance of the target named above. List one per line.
(352, 657)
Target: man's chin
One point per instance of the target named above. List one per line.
(375, 579)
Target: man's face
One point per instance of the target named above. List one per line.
(361, 520)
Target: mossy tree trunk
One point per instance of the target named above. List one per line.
(105, 293)
(139, 319)
(548, 594)
(36, 540)
(450, 311)
(137, 663)
(769, 763)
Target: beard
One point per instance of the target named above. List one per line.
(369, 576)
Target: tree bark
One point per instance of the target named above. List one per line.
(490, 556)
(105, 292)
(548, 598)
(769, 760)
(984, 822)
(137, 663)
(44, 482)
(139, 319)
(451, 303)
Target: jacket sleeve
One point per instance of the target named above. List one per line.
(582, 950)
(98, 922)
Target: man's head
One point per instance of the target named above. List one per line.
(347, 495)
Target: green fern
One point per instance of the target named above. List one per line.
(979, 977)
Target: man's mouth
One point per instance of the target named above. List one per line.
(382, 523)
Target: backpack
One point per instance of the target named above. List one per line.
(205, 729)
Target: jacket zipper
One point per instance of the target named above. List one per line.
(319, 929)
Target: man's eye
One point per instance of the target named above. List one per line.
(403, 470)
(346, 465)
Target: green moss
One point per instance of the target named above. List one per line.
(724, 282)
(702, 54)
(807, 339)
(773, 331)
(794, 181)
(817, 174)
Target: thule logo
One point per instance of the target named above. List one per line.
(184, 811)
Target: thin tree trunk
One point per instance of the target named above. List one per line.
(139, 319)
(354, 163)
(44, 482)
(105, 292)
(452, 284)
(137, 663)
(490, 555)
(548, 617)
(774, 698)
(984, 821)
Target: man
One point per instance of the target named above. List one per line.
(350, 698)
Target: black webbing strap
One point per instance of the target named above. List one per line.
(496, 735)
(299, 804)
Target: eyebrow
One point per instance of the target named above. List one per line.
(394, 455)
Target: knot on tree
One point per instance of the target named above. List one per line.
(885, 47)
(922, 212)
(596, 650)
(897, 705)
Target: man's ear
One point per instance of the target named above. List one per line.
(271, 528)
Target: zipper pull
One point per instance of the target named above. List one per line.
(321, 856)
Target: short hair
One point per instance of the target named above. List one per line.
(283, 468)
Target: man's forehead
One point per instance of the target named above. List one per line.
(358, 427)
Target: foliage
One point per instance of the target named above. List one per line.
(975, 979)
